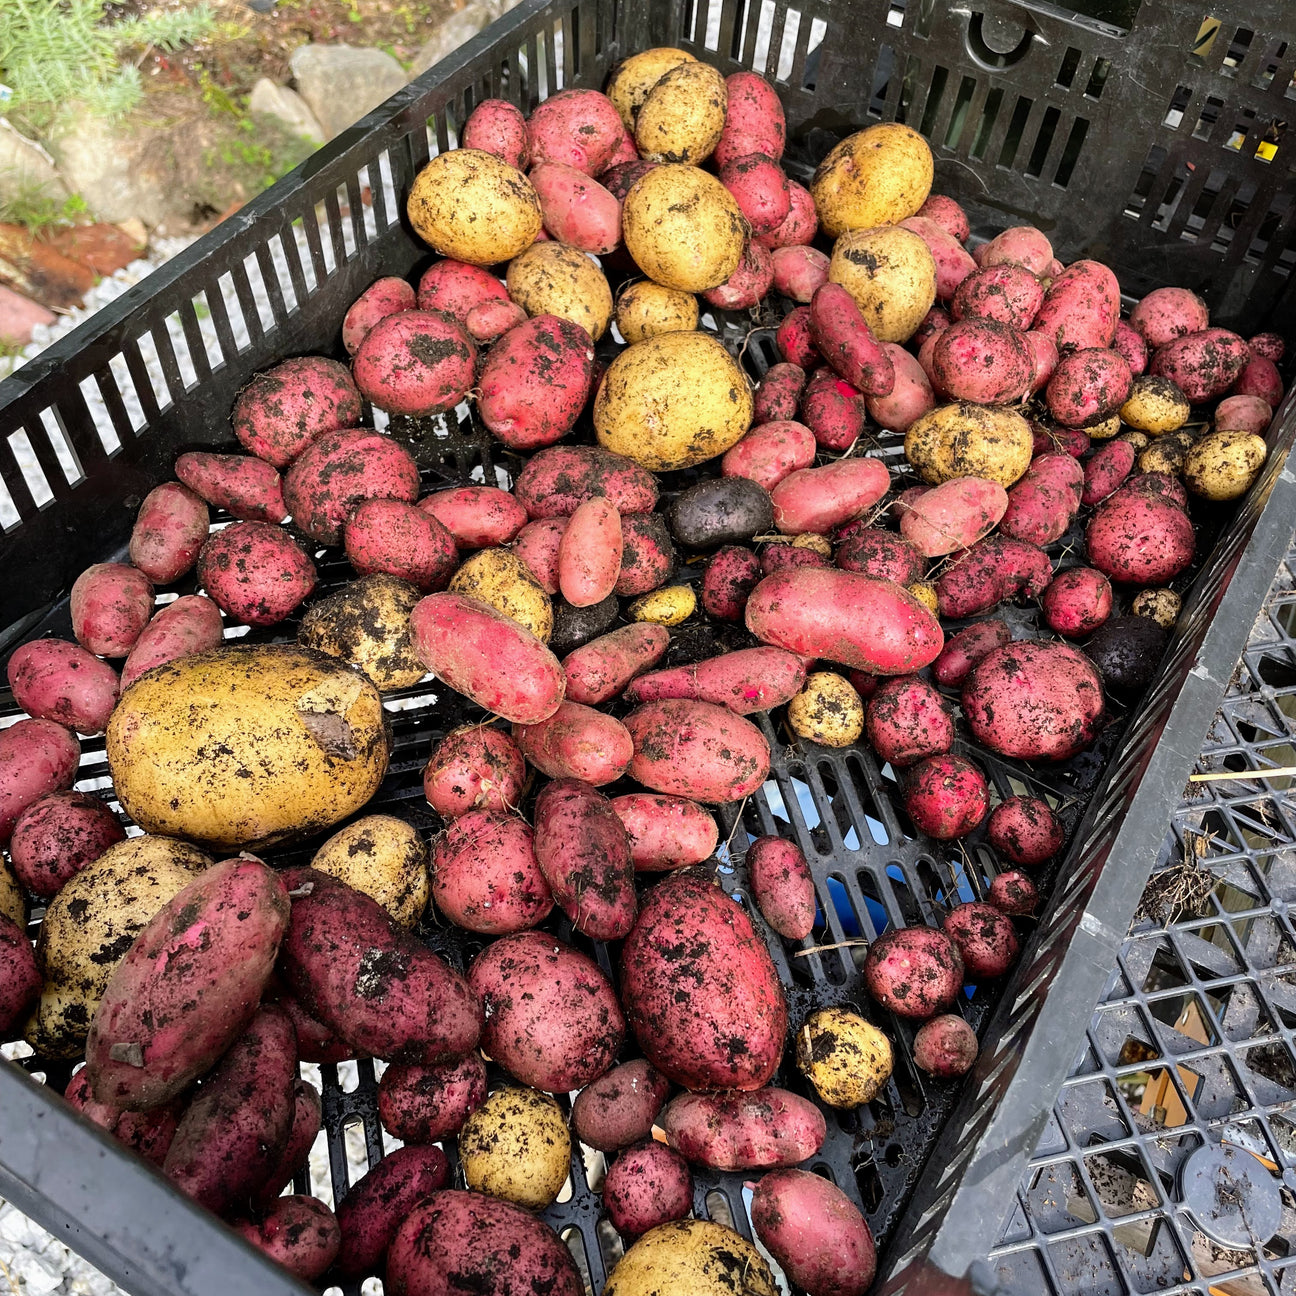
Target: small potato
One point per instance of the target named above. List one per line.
(911, 395)
(55, 680)
(577, 210)
(782, 886)
(744, 1131)
(13, 903)
(281, 411)
(799, 271)
(770, 452)
(454, 288)
(383, 857)
(1243, 414)
(670, 606)
(633, 78)
(683, 115)
(478, 517)
(1166, 454)
(891, 274)
(555, 279)
(515, 1146)
(383, 297)
(1077, 602)
(255, 572)
(485, 875)
(946, 796)
(749, 284)
(1025, 831)
(490, 320)
(827, 711)
(169, 531)
(728, 581)
(620, 1107)
(500, 578)
(963, 650)
(57, 836)
(110, 605)
(994, 569)
(367, 625)
(644, 309)
(846, 1058)
(1222, 465)
(985, 938)
(779, 394)
(795, 339)
(1169, 313)
(1162, 605)
(754, 119)
(799, 226)
(575, 626)
(392, 538)
(665, 832)
(416, 363)
(914, 971)
(818, 499)
(1108, 468)
(497, 127)
(881, 554)
(833, 409)
(379, 1201)
(908, 721)
(1155, 406)
(719, 511)
(744, 681)
(577, 742)
(537, 544)
(760, 188)
(424, 1104)
(968, 440)
(599, 670)
(246, 487)
(474, 768)
(1022, 245)
(875, 177)
(646, 1186)
(953, 261)
(949, 216)
(1202, 365)
(454, 187)
(298, 1232)
(946, 1046)
(1260, 378)
(1130, 345)
(589, 553)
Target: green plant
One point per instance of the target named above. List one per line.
(36, 209)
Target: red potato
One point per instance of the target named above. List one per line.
(782, 886)
(843, 337)
(748, 285)
(1005, 292)
(490, 320)
(953, 262)
(815, 1232)
(383, 297)
(55, 680)
(833, 410)
(994, 569)
(866, 624)
(748, 1131)
(1035, 700)
(577, 742)
(1013, 893)
(148, 1133)
(425, 1104)
(799, 271)
(1156, 486)
(20, 979)
(497, 127)
(907, 721)
(55, 837)
(982, 360)
(453, 288)
(730, 576)
(579, 128)
(646, 1186)
(488, 657)
(1055, 440)
(621, 177)
(485, 876)
(537, 545)
(381, 1199)
(598, 671)
(584, 854)
(393, 538)
(948, 214)
(298, 1232)
(927, 361)
(1168, 313)
(552, 1017)
(478, 517)
(625, 151)
(110, 605)
(778, 556)
(307, 1117)
(986, 940)
(1129, 344)
(1270, 346)
(717, 1019)
(1081, 307)
(745, 681)
(945, 1047)
(413, 1008)
(777, 396)
(697, 750)
(1077, 601)
(910, 398)
(577, 210)
(966, 648)
(535, 381)
(1025, 831)
(799, 226)
(953, 515)
(946, 796)
(474, 768)
(415, 363)
(770, 452)
(1044, 358)
(1243, 414)
(795, 340)
(760, 189)
(315, 1041)
(665, 832)
(620, 1107)
(1088, 386)
(881, 554)
(558, 479)
(754, 121)
(1140, 539)
(935, 321)
(1106, 470)
(1043, 503)
(280, 412)
(169, 530)
(914, 972)
(1022, 245)
(246, 487)
(647, 555)
(1260, 377)
(255, 572)
(589, 553)
(36, 757)
(192, 624)
(818, 499)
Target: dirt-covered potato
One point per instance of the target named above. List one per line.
(1162, 605)
(1155, 405)
(827, 710)
(633, 78)
(515, 1146)
(366, 625)
(619, 1108)
(914, 971)
(846, 1058)
(673, 401)
(555, 279)
(967, 440)
(683, 115)
(500, 578)
(470, 205)
(891, 274)
(694, 1256)
(386, 859)
(683, 228)
(1222, 465)
(13, 904)
(644, 309)
(875, 177)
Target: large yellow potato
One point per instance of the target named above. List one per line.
(633, 78)
(683, 228)
(499, 577)
(683, 116)
(645, 309)
(673, 401)
(877, 176)
(693, 1256)
(516, 1146)
(891, 274)
(1222, 465)
(555, 279)
(967, 440)
(247, 745)
(386, 859)
(366, 625)
(470, 205)
(90, 925)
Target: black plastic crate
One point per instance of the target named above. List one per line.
(1119, 144)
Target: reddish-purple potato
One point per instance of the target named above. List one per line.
(621, 1106)
(255, 572)
(727, 582)
(298, 1232)
(1025, 831)
(1012, 892)
(245, 487)
(945, 1047)
(379, 1202)
(795, 340)
(749, 283)
(485, 876)
(1088, 386)
(1022, 245)
(56, 837)
(580, 128)
(383, 297)
(907, 720)
(1138, 537)
(647, 1185)
(1129, 343)
(589, 553)
(744, 1131)
(558, 479)
(799, 226)
(415, 363)
(843, 337)
(192, 624)
(947, 213)
(697, 750)
(425, 1104)
(778, 394)
(1243, 414)
(36, 757)
(498, 127)
(994, 569)
(598, 671)
(782, 886)
(476, 767)
(1077, 602)
(986, 939)
(20, 980)
(55, 680)
(281, 411)
(1008, 293)
(647, 555)
(305, 1125)
(1107, 470)
(966, 648)
(110, 605)
(880, 554)
(1168, 313)
(914, 971)
(754, 120)
(946, 796)
(479, 517)
(452, 288)
(1260, 377)
(1202, 365)
(169, 530)
(149, 1133)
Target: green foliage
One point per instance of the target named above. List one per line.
(35, 209)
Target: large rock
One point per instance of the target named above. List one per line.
(340, 83)
(26, 168)
(457, 29)
(120, 169)
(287, 107)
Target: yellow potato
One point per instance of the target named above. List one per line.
(1162, 605)
(674, 401)
(1105, 430)
(877, 176)
(633, 78)
(694, 1257)
(366, 624)
(13, 903)
(90, 925)
(891, 274)
(516, 1146)
(827, 710)
(683, 228)
(670, 606)
(386, 859)
(471, 205)
(967, 440)
(499, 577)
(645, 309)
(1166, 454)
(925, 593)
(1222, 465)
(555, 279)
(683, 115)
(1155, 406)
(846, 1058)
(246, 746)
(1139, 440)
(812, 540)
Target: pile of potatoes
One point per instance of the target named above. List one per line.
(858, 608)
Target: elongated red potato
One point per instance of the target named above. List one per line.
(953, 515)
(576, 209)
(537, 545)
(697, 750)
(598, 671)
(378, 1203)
(479, 517)
(589, 554)
(110, 606)
(749, 1131)
(965, 649)
(782, 886)
(777, 395)
(485, 875)
(36, 757)
(818, 499)
(169, 531)
(487, 657)
(748, 680)
(866, 624)
(392, 538)
(307, 1118)
(910, 398)
(845, 340)
(665, 832)
(577, 742)
(246, 487)
(768, 453)
(192, 624)
(55, 680)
